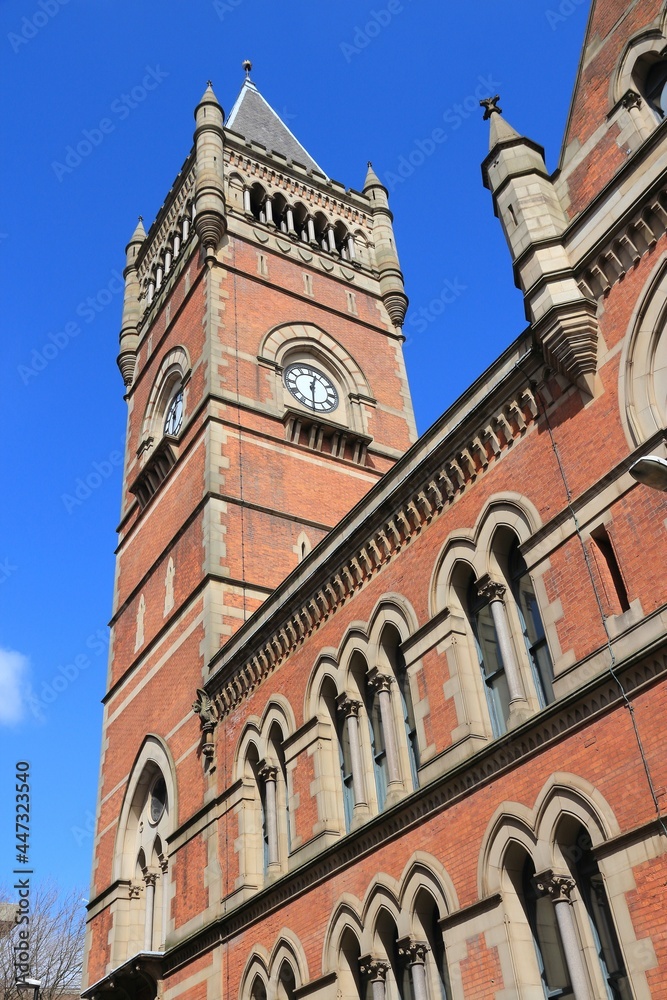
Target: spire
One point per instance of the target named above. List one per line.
(129, 337)
(139, 234)
(372, 179)
(254, 118)
(210, 220)
(500, 130)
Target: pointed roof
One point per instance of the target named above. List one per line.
(372, 179)
(501, 131)
(254, 118)
(139, 234)
(208, 97)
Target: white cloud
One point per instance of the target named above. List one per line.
(13, 682)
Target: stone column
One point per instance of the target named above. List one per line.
(177, 245)
(495, 592)
(164, 868)
(632, 102)
(167, 261)
(349, 709)
(350, 248)
(414, 953)
(269, 774)
(186, 228)
(381, 683)
(246, 201)
(559, 889)
(149, 878)
(268, 212)
(331, 239)
(376, 969)
(289, 218)
(310, 228)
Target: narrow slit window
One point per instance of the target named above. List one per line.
(615, 597)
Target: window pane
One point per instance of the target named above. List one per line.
(378, 751)
(346, 771)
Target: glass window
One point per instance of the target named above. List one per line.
(531, 626)
(655, 88)
(490, 660)
(591, 884)
(378, 749)
(408, 716)
(345, 757)
(546, 937)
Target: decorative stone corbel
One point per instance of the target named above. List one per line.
(203, 707)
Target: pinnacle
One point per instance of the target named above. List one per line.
(372, 179)
(139, 234)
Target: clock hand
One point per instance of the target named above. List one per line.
(312, 389)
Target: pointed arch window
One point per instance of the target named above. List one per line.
(547, 941)
(407, 709)
(346, 769)
(655, 88)
(378, 747)
(490, 657)
(589, 879)
(531, 626)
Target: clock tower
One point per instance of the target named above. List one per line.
(261, 351)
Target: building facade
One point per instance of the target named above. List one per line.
(384, 714)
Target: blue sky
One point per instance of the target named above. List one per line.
(354, 81)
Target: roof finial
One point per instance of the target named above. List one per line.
(141, 218)
(247, 66)
(209, 83)
(490, 105)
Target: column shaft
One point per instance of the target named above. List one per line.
(393, 770)
(575, 963)
(514, 682)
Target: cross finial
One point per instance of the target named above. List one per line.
(490, 105)
(369, 164)
(209, 83)
(247, 66)
(141, 218)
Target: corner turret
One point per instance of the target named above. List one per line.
(533, 220)
(386, 257)
(210, 215)
(129, 337)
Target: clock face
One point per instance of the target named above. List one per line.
(311, 387)
(173, 419)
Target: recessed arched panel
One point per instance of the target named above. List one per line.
(643, 368)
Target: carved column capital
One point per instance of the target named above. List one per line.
(135, 889)
(375, 968)
(414, 952)
(150, 877)
(378, 681)
(490, 589)
(268, 772)
(555, 885)
(347, 706)
(631, 99)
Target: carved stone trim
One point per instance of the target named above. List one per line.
(374, 968)
(545, 730)
(347, 706)
(554, 885)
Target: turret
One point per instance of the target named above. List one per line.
(386, 257)
(525, 199)
(210, 219)
(129, 337)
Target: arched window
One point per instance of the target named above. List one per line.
(258, 991)
(541, 917)
(531, 625)
(349, 975)
(148, 893)
(346, 773)
(655, 88)
(286, 982)
(489, 656)
(377, 741)
(390, 643)
(257, 200)
(590, 883)
(437, 973)
(282, 819)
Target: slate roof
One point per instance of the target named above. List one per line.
(254, 118)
